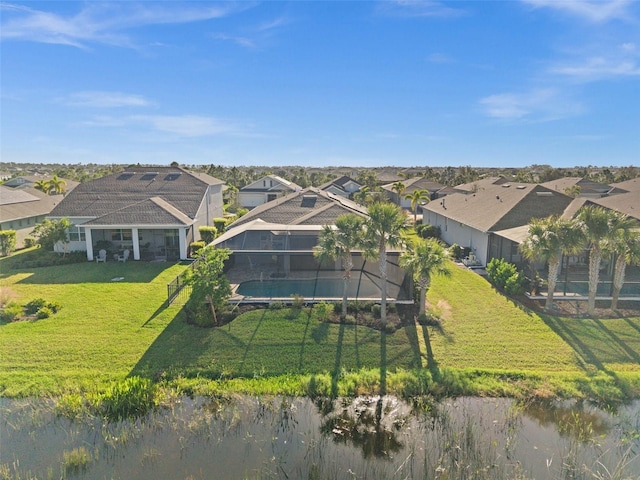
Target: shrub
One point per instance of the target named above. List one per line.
(324, 310)
(349, 320)
(10, 312)
(30, 242)
(241, 212)
(195, 247)
(505, 276)
(32, 307)
(425, 230)
(44, 312)
(276, 306)
(376, 310)
(219, 224)
(456, 251)
(7, 242)
(207, 234)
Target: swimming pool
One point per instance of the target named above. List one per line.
(362, 287)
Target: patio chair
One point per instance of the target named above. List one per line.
(124, 257)
(102, 256)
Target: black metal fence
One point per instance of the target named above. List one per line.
(178, 289)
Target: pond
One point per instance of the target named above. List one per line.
(365, 437)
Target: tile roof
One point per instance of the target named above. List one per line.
(500, 207)
(306, 207)
(129, 195)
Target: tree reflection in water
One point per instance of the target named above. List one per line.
(368, 423)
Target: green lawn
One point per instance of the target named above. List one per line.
(109, 329)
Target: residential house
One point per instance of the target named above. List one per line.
(154, 212)
(581, 187)
(344, 186)
(483, 222)
(267, 189)
(411, 185)
(21, 209)
(277, 239)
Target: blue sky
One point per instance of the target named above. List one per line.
(401, 83)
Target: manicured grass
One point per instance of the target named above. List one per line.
(108, 330)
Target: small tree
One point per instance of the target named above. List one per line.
(210, 288)
(7, 242)
(50, 232)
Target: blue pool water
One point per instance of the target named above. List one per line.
(362, 287)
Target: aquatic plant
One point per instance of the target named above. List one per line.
(131, 398)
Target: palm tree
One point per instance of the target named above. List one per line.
(361, 195)
(384, 228)
(625, 244)
(338, 242)
(417, 197)
(547, 240)
(399, 188)
(57, 185)
(43, 186)
(425, 258)
(596, 223)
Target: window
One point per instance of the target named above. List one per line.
(121, 235)
(76, 234)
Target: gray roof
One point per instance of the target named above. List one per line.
(482, 184)
(500, 207)
(627, 203)
(139, 195)
(310, 206)
(25, 202)
(587, 187)
(416, 183)
(628, 185)
(339, 183)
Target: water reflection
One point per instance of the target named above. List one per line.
(364, 437)
(370, 424)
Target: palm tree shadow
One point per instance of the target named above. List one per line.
(586, 355)
(335, 374)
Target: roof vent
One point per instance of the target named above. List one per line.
(544, 194)
(506, 185)
(521, 187)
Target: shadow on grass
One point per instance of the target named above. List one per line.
(335, 374)
(579, 340)
(91, 272)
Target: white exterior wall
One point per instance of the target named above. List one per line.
(252, 199)
(463, 235)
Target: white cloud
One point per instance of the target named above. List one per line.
(102, 23)
(540, 105)
(187, 126)
(439, 58)
(418, 8)
(105, 100)
(596, 68)
(242, 41)
(592, 10)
